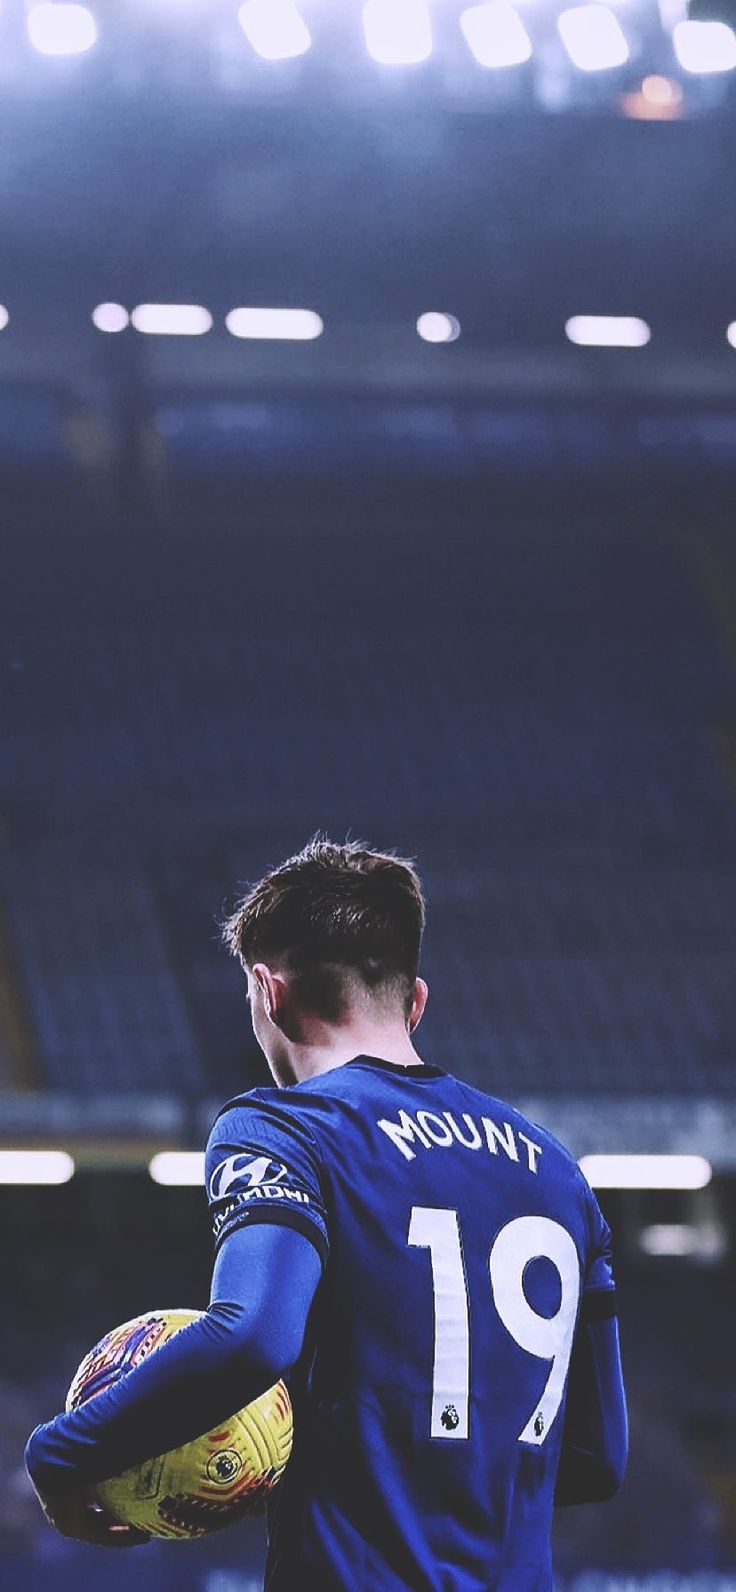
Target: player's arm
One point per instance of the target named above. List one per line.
(252, 1333)
(595, 1435)
(595, 1431)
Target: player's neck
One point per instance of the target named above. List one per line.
(337, 1046)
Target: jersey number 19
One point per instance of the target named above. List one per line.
(522, 1240)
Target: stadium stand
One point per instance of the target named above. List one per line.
(538, 729)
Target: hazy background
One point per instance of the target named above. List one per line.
(474, 598)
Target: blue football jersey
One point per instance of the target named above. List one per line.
(458, 1241)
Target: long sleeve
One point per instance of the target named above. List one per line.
(595, 1433)
(251, 1334)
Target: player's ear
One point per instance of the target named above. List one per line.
(273, 991)
(418, 1004)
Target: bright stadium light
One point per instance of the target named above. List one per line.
(178, 1168)
(707, 1241)
(669, 1238)
(593, 38)
(607, 331)
(4, 317)
(275, 28)
(705, 46)
(730, 333)
(646, 1171)
(171, 320)
(397, 32)
(662, 93)
(671, 12)
(436, 327)
(35, 1166)
(110, 317)
(61, 29)
(300, 326)
(496, 34)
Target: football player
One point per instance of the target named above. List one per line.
(427, 1268)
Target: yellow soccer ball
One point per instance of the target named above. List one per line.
(207, 1483)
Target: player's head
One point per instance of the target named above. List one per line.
(332, 934)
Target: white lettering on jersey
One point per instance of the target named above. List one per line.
(470, 1144)
(248, 1196)
(532, 1150)
(429, 1128)
(405, 1129)
(494, 1137)
(438, 1130)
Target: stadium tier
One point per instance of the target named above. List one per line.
(539, 727)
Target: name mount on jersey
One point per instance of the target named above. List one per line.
(430, 1128)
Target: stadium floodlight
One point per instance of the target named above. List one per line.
(299, 326)
(661, 92)
(593, 38)
(178, 1168)
(61, 29)
(35, 1166)
(275, 28)
(730, 333)
(669, 1238)
(397, 32)
(704, 1241)
(607, 331)
(436, 327)
(705, 46)
(496, 34)
(171, 320)
(4, 317)
(647, 1171)
(672, 12)
(110, 317)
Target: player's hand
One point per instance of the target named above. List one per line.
(80, 1516)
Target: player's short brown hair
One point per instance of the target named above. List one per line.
(333, 914)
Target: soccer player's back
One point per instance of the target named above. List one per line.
(427, 1269)
(462, 1249)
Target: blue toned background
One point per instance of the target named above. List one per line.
(475, 599)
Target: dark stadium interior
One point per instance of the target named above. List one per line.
(538, 706)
